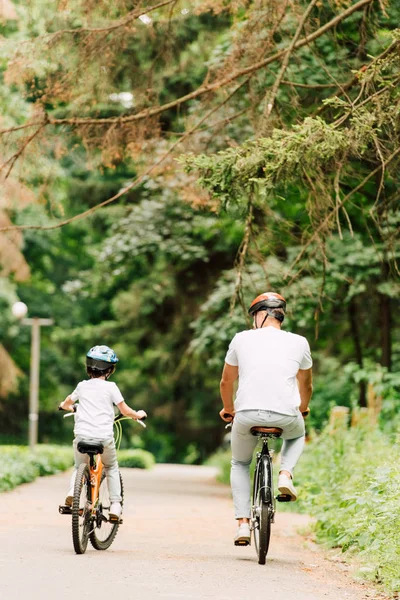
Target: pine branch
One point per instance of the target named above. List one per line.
(271, 96)
(335, 210)
(212, 87)
(131, 16)
(134, 183)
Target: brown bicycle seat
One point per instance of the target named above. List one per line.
(270, 431)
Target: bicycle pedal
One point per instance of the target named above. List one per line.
(242, 543)
(115, 521)
(284, 498)
(65, 510)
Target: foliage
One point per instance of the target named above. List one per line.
(136, 459)
(349, 480)
(21, 465)
(97, 101)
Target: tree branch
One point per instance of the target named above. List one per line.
(134, 183)
(337, 207)
(241, 257)
(271, 96)
(206, 89)
(131, 16)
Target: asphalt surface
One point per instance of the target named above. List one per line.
(176, 543)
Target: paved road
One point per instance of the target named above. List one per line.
(175, 544)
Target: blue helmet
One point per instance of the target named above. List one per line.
(101, 358)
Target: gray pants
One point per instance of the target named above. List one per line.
(109, 458)
(243, 444)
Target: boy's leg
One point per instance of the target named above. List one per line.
(79, 458)
(110, 463)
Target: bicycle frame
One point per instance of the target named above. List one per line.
(96, 470)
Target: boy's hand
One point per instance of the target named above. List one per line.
(65, 406)
(140, 414)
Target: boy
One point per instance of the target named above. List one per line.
(94, 419)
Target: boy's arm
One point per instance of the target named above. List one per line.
(127, 411)
(67, 404)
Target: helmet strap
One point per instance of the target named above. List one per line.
(271, 313)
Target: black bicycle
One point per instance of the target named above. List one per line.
(263, 501)
(263, 504)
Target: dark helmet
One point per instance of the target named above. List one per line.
(101, 358)
(269, 301)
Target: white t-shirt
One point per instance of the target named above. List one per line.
(94, 417)
(268, 361)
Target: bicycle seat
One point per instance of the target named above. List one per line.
(91, 448)
(267, 431)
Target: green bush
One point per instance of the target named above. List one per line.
(19, 465)
(350, 482)
(136, 459)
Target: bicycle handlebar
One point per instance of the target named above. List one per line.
(116, 419)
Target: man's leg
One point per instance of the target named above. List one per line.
(292, 448)
(243, 444)
(293, 444)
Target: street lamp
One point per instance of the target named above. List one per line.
(19, 310)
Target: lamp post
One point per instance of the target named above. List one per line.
(19, 310)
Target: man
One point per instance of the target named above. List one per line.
(275, 387)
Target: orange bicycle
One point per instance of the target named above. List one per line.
(91, 501)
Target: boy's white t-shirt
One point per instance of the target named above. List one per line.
(94, 417)
(268, 360)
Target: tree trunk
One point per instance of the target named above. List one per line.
(362, 398)
(385, 311)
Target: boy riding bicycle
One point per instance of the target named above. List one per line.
(94, 419)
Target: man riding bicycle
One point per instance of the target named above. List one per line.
(274, 368)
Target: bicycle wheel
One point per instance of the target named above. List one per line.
(104, 532)
(262, 508)
(81, 510)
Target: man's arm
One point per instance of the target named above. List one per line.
(229, 376)
(304, 377)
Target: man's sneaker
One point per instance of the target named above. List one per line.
(115, 511)
(286, 487)
(242, 537)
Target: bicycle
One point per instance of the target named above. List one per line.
(263, 506)
(91, 500)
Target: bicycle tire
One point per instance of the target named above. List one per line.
(81, 513)
(103, 533)
(262, 508)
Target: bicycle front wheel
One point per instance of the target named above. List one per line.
(104, 532)
(81, 510)
(262, 508)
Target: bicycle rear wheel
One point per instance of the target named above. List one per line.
(104, 532)
(81, 510)
(262, 509)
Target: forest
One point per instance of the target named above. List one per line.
(163, 163)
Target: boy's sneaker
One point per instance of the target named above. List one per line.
(242, 537)
(115, 511)
(286, 487)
